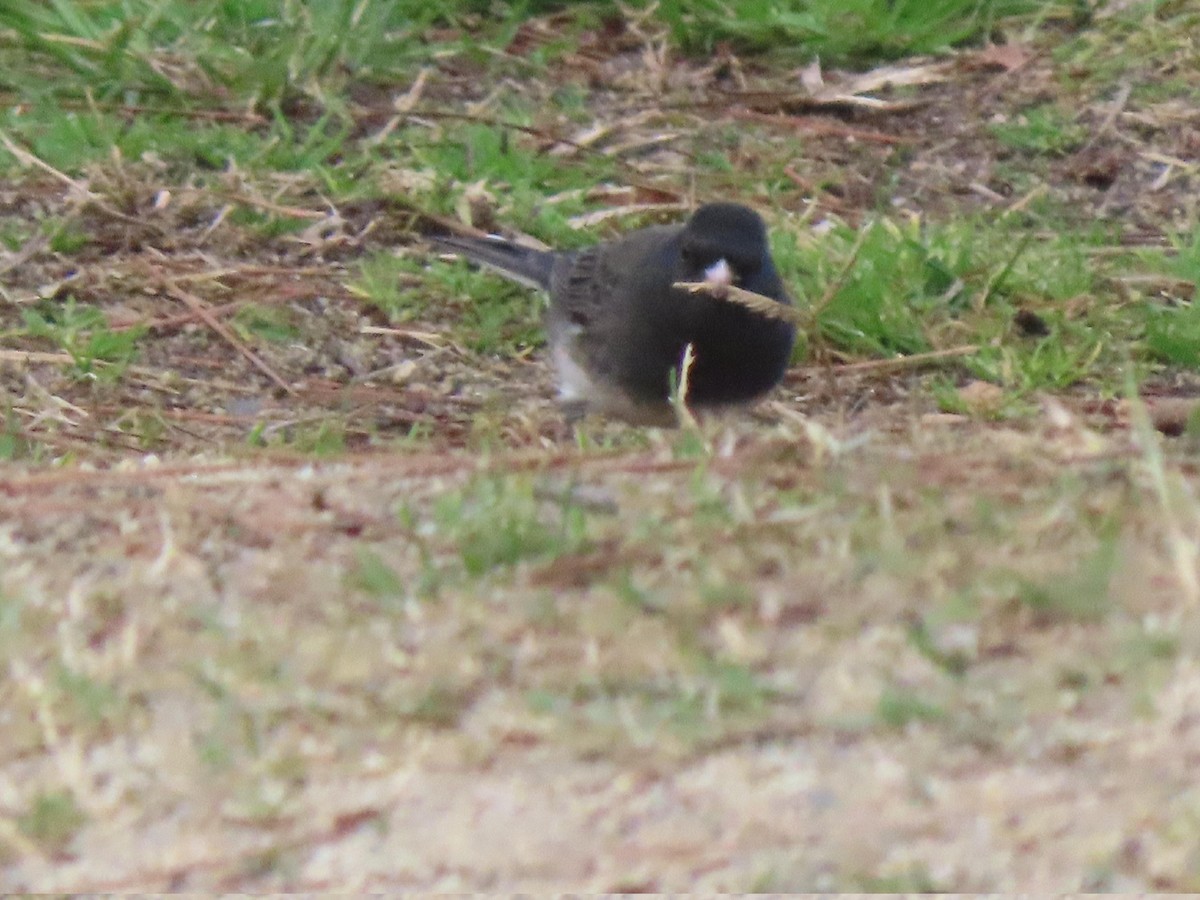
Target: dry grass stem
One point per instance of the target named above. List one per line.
(685, 416)
(764, 306)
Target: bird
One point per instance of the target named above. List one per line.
(617, 329)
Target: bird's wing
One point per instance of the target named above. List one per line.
(612, 312)
(581, 285)
(600, 286)
(525, 265)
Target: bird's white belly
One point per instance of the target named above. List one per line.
(574, 384)
(578, 389)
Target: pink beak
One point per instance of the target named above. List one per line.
(719, 273)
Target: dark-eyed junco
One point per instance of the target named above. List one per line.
(618, 329)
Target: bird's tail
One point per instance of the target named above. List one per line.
(521, 264)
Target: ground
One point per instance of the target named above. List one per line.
(306, 585)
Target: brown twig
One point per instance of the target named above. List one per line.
(814, 125)
(371, 466)
(278, 294)
(493, 122)
(425, 338)
(294, 212)
(201, 309)
(815, 193)
(757, 303)
(898, 362)
(29, 159)
(212, 115)
(36, 356)
(29, 249)
(175, 321)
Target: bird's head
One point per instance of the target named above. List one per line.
(724, 244)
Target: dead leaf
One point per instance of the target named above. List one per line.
(894, 76)
(476, 206)
(855, 90)
(587, 220)
(408, 101)
(981, 396)
(1007, 57)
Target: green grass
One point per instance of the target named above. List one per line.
(52, 821)
(903, 288)
(498, 522)
(855, 31)
(12, 444)
(914, 879)
(265, 52)
(1152, 37)
(1080, 595)
(1046, 129)
(271, 53)
(703, 702)
(376, 577)
(910, 288)
(1173, 330)
(324, 435)
(96, 351)
(266, 323)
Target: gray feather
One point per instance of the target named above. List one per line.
(524, 265)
